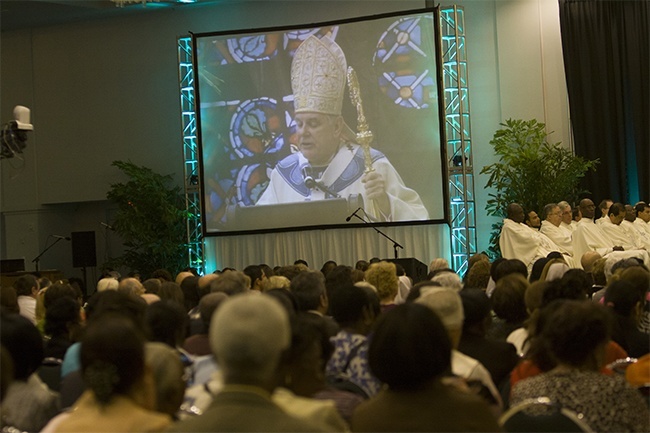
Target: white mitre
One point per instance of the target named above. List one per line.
(318, 76)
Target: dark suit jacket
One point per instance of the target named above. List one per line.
(438, 409)
(235, 410)
(498, 357)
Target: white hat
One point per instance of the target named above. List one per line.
(318, 76)
(21, 116)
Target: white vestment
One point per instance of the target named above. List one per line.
(642, 225)
(619, 236)
(518, 241)
(343, 177)
(640, 237)
(559, 235)
(570, 227)
(602, 220)
(591, 237)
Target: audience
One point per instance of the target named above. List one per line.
(575, 335)
(411, 353)
(333, 372)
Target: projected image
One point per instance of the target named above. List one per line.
(301, 127)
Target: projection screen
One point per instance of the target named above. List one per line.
(273, 160)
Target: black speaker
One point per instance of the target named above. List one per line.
(414, 268)
(83, 249)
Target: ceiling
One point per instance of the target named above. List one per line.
(20, 14)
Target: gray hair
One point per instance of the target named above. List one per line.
(247, 335)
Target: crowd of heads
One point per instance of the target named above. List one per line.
(265, 327)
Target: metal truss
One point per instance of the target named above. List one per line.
(458, 137)
(191, 155)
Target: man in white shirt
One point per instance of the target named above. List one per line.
(613, 227)
(589, 236)
(519, 241)
(552, 227)
(567, 216)
(604, 210)
(642, 221)
(639, 236)
(27, 288)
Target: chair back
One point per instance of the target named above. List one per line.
(542, 415)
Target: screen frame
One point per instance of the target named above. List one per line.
(435, 11)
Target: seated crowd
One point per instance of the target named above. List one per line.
(343, 348)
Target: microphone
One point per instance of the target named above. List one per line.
(67, 238)
(108, 226)
(353, 214)
(310, 182)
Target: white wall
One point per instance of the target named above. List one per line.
(108, 89)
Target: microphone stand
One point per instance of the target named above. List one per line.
(395, 244)
(37, 259)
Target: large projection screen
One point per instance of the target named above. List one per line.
(265, 167)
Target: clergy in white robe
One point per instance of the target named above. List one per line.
(591, 237)
(518, 241)
(552, 228)
(329, 163)
(567, 216)
(343, 176)
(642, 221)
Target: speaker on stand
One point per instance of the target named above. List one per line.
(84, 253)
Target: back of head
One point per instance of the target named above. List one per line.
(171, 291)
(308, 287)
(112, 357)
(478, 275)
(166, 322)
(191, 294)
(588, 259)
(254, 272)
(231, 283)
(508, 298)
(622, 297)
(557, 289)
(476, 306)
(449, 279)
(247, 335)
(56, 291)
(511, 266)
(24, 284)
(327, 267)
(347, 305)
(152, 285)
(131, 286)
(108, 283)
(578, 278)
(61, 316)
(23, 342)
(289, 271)
(447, 305)
(538, 268)
(574, 330)
(409, 348)
(337, 277)
(598, 272)
(554, 270)
(209, 304)
(383, 275)
(114, 302)
(439, 263)
(162, 274)
(9, 299)
(167, 370)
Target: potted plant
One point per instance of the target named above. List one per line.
(151, 220)
(530, 171)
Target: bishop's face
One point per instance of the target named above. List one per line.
(318, 136)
